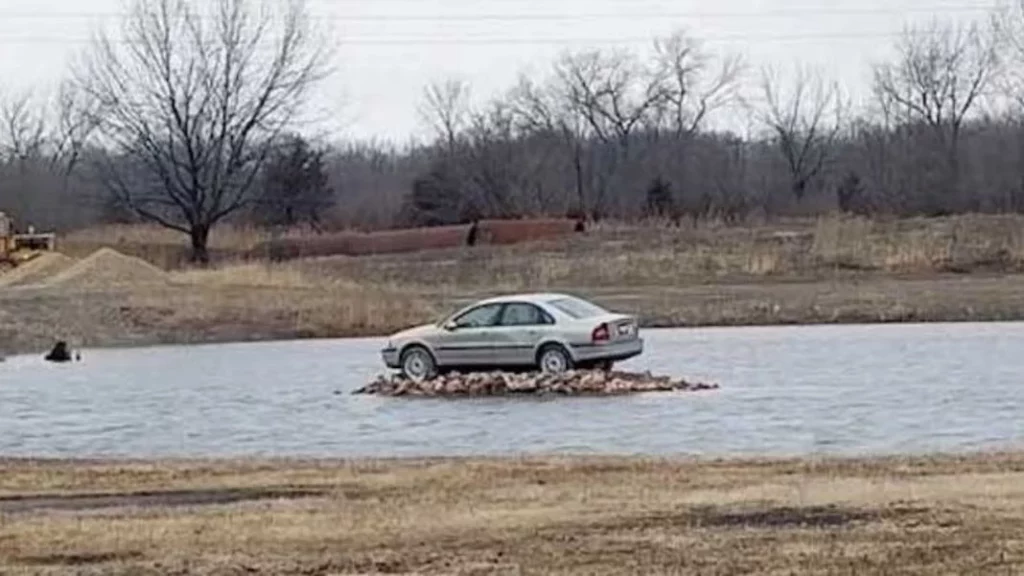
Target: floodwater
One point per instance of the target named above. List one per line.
(841, 390)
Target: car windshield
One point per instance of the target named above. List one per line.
(578, 308)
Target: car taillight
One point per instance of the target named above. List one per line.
(600, 334)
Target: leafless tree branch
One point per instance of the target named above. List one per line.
(692, 85)
(197, 99)
(940, 73)
(805, 123)
(445, 108)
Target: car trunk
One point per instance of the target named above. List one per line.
(621, 327)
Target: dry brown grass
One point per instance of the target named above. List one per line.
(629, 254)
(809, 250)
(828, 270)
(234, 302)
(253, 274)
(531, 516)
(287, 296)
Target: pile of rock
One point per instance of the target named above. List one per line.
(574, 383)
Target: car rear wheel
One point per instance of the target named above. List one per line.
(553, 359)
(418, 365)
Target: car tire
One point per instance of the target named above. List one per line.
(417, 364)
(554, 359)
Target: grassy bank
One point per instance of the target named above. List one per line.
(829, 270)
(530, 516)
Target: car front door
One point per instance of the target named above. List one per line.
(522, 326)
(469, 340)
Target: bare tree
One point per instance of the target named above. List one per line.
(1007, 29)
(616, 97)
(191, 102)
(74, 119)
(542, 110)
(294, 186)
(612, 91)
(694, 84)
(446, 108)
(48, 133)
(509, 169)
(22, 128)
(940, 73)
(805, 123)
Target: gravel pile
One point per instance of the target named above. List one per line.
(107, 267)
(574, 383)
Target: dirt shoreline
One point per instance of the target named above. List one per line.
(552, 515)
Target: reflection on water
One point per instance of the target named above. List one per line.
(785, 391)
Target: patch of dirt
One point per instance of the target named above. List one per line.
(80, 559)
(82, 502)
(771, 517)
(782, 517)
(37, 270)
(107, 267)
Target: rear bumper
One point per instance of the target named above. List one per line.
(390, 358)
(615, 352)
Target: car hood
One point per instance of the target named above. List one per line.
(415, 332)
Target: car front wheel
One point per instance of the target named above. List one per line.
(418, 365)
(553, 359)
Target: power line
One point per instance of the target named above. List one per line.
(517, 41)
(40, 15)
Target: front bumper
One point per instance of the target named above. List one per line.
(390, 358)
(613, 352)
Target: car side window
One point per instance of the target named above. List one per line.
(522, 314)
(480, 317)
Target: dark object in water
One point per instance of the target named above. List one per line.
(60, 353)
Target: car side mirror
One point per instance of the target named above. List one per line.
(450, 326)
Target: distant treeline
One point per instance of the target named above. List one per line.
(606, 134)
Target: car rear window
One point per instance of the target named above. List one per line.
(578, 308)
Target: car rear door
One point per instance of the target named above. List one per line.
(521, 327)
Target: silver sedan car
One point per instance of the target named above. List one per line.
(549, 332)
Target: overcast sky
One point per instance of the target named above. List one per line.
(389, 49)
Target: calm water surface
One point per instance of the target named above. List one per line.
(785, 391)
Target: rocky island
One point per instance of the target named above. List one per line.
(572, 383)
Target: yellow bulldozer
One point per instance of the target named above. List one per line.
(16, 249)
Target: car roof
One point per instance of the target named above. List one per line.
(531, 297)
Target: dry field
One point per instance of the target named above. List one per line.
(651, 253)
(829, 270)
(110, 299)
(939, 515)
